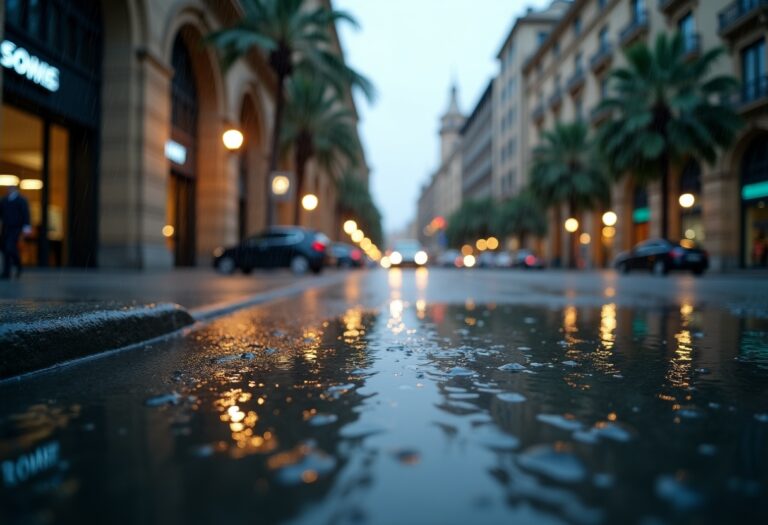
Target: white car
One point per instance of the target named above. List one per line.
(408, 252)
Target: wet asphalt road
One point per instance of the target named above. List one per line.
(416, 397)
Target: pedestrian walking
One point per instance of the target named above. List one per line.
(14, 216)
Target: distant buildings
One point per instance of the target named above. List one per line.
(554, 67)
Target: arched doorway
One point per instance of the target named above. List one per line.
(251, 197)
(691, 224)
(754, 203)
(180, 205)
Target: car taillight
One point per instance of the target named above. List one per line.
(356, 254)
(318, 246)
(676, 253)
(530, 260)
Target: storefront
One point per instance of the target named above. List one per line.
(754, 203)
(51, 59)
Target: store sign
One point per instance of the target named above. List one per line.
(175, 152)
(22, 62)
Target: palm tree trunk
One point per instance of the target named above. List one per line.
(275, 147)
(301, 165)
(664, 167)
(571, 237)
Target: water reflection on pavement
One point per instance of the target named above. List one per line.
(388, 406)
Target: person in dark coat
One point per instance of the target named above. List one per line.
(14, 216)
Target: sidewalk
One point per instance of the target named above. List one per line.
(191, 288)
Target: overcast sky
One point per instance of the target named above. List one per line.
(412, 49)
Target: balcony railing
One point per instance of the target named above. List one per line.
(556, 98)
(732, 18)
(754, 91)
(669, 6)
(576, 81)
(602, 57)
(637, 27)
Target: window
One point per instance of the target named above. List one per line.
(577, 26)
(541, 36)
(638, 10)
(753, 71)
(556, 49)
(602, 38)
(577, 62)
(687, 28)
(13, 14)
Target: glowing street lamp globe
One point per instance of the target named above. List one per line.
(280, 185)
(687, 200)
(233, 139)
(571, 225)
(610, 218)
(309, 202)
(349, 227)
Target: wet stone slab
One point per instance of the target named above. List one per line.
(410, 413)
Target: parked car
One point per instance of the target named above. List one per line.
(449, 259)
(299, 249)
(408, 252)
(346, 255)
(503, 260)
(527, 259)
(486, 260)
(661, 256)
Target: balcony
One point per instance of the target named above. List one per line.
(754, 94)
(602, 58)
(576, 81)
(691, 45)
(740, 15)
(635, 29)
(538, 113)
(556, 98)
(668, 7)
(599, 115)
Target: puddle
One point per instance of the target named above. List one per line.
(412, 413)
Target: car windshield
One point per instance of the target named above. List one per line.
(407, 245)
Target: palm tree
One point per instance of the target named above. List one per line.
(522, 215)
(566, 170)
(470, 222)
(665, 108)
(292, 37)
(317, 125)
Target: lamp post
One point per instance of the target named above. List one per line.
(571, 226)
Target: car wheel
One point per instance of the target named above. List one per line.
(660, 268)
(299, 265)
(226, 265)
(623, 268)
(317, 269)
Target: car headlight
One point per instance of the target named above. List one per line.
(395, 258)
(421, 258)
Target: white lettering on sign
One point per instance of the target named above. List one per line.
(175, 152)
(19, 470)
(19, 60)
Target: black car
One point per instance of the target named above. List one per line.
(299, 249)
(346, 255)
(661, 256)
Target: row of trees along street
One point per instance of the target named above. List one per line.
(311, 120)
(664, 108)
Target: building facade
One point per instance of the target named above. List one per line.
(567, 76)
(510, 121)
(477, 149)
(112, 117)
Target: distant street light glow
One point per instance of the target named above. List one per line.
(31, 184)
(358, 235)
(571, 225)
(481, 245)
(609, 232)
(585, 238)
(469, 261)
(493, 243)
(385, 262)
(687, 200)
(610, 218)
(395, 258)
(349, 227)
(466, 250)
(309, 201)
(281, 184)
(168, 230)
(9, 180)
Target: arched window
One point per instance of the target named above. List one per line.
(183, 90)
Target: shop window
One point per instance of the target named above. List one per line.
(754, 195)
(14, 11)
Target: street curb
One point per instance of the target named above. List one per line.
(32, 345)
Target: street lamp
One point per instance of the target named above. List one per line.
(493, 243)
(349, 227)
(358, 235)
(610, 218)
(233, 139)
(585, 238)
(309, 201)
(280, 185)
(571, 225)
(687, 200)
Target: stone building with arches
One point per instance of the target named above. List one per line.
(123, 161)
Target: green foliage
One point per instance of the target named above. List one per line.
(355, 202)
(522, 215)
(566, 169)
(292, 37)
(666, 108)
(472, 221)
(317, 126)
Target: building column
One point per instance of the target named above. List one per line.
(720, 209)
(622, 206)
(134, 170)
